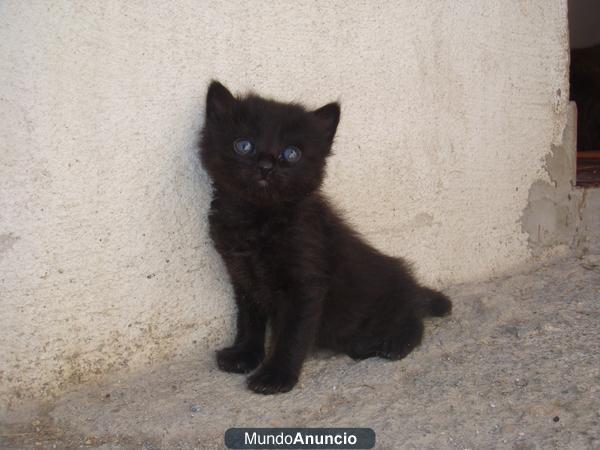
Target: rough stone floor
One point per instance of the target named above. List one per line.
(517, 366)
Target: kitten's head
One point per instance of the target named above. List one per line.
(265, 151)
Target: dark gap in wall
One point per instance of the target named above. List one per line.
(584, 35)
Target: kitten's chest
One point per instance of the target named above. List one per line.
(261, 235)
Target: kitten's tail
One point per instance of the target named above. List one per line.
(437, 304)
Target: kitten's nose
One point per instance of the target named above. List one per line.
(265, 165)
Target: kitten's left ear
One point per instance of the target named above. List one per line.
(219, 101)
(329, 117)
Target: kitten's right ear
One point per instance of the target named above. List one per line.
(329, 117)
(219, 101)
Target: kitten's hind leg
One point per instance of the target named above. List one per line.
(364, 347)
(396, 345)
(404, 340)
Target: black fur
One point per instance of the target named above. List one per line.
(293, 262)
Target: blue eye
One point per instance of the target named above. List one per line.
(243, 147)
(291, 154)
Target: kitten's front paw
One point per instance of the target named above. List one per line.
(271, 381)
(238, 360)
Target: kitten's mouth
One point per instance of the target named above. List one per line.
(264, 181)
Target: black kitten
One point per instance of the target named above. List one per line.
(292, 260)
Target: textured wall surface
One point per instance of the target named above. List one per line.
(448, 111)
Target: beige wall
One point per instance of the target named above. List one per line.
(449, 109)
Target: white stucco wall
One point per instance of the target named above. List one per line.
(448, 109)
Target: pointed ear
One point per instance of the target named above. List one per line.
(328, 117)
(219, 101)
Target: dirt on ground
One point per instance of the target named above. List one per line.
(516, 366)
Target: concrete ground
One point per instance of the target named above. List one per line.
(517, 366)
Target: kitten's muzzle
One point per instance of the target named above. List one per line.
(266, 166)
